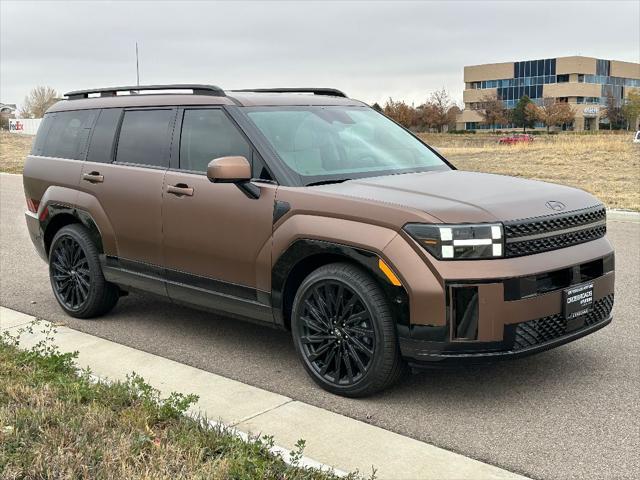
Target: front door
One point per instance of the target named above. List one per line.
(215, 237)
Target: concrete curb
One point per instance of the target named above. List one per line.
(332, 440)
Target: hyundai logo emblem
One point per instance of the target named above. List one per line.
(555, 206)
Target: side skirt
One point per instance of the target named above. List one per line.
(193, 290)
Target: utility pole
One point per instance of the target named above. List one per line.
(137, 67)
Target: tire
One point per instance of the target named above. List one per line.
(344, 333)
(76, 274)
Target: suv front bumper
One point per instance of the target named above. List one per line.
(519, 302)
(520, 340)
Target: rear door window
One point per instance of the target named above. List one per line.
(144, 137)
(68, 134)
(209, 134)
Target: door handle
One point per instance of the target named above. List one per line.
(93, 177)
(180, 189)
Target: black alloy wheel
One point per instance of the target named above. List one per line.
(337, 334)
(70, 273)
(76, 274)
(344, 333)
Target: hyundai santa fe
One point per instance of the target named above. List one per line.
(309, 211)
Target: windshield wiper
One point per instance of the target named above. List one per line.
(328, 182)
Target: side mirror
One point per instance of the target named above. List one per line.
(233, 170)
(229, 170)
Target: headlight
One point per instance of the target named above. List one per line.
(459, 242)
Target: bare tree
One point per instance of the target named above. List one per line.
(38, 101)
(493, 112)
(553, 113)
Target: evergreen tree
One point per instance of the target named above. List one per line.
(521, 116)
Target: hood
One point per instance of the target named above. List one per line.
(455, 196)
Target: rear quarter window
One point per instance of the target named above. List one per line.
(66, 135)
(43, 130)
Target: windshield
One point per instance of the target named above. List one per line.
(336, 143)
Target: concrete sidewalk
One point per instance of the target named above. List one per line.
(331, 439)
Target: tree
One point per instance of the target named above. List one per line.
(493, 112)
(439, 104)
(631, 108)
(376, 106)
(521, 116)
(402, 113)
(38, 101)
(613, 112)
(553, 113)
(452, 115)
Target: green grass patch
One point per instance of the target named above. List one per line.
(57, 422)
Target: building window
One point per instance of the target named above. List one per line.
(603, 67)
(562, 78)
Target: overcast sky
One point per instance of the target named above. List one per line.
(371, 50)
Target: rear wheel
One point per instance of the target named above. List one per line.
(76, 275)
(344, 332)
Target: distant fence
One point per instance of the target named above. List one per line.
(26, 126)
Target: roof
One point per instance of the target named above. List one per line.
(202, 95)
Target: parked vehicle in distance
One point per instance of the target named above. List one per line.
(636, 139)
(308, 211)
(516, 138)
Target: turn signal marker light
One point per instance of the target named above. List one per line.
(389, 273)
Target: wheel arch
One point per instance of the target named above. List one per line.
(306, 255)
(59, 216)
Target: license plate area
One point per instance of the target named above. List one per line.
(577, 301)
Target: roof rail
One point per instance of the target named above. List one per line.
(113, 91)
(316, 91)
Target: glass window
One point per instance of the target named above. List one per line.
(41, 136)
(144, 137)
(103, 136)
(341, 142)
(208, 134)
(68, 134)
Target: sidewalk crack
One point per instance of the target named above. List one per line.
(251, 417)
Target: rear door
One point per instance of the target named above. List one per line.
(125, 167)
(214, 236)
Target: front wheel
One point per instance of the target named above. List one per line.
(344, 332)
(76, 275)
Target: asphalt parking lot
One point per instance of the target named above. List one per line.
(572, 412)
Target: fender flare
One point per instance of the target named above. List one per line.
(85, 208)
(305, 251)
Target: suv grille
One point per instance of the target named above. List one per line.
(541, 234)
(541, 330)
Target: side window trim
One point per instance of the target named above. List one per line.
(167, 146)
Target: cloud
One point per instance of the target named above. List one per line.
(371, 50)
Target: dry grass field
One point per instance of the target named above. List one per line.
(13, 150)
(607, 165)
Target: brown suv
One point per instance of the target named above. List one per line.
(309, 211)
